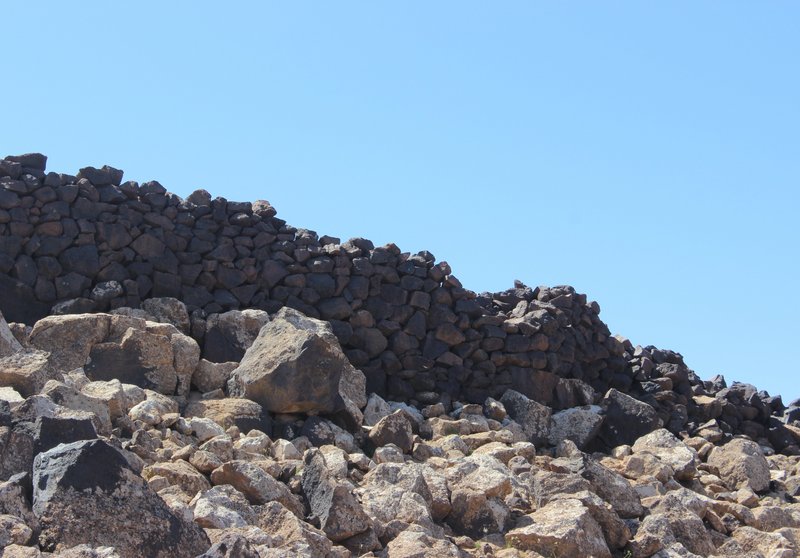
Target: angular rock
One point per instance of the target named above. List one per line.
(562, 529)
(579, 424)
(667, 448)
(231, 411)
(393, 429)
(531, 415)
(626, 419)
(229, 335)
(27, 371)
(332, 503)
(168, 310)
(69, 339)
(86, 492)
(212, 375)
(294, 366)
(8, 343)
(258, 486)
(741, 463)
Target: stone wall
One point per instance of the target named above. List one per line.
(92, 242)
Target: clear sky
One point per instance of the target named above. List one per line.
(646, 153)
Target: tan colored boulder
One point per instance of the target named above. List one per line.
(179, 473)
(70, 338)
(561, 529)
(27, 371)
(741, 463)
(231, 411)
(667, 448)
(209, 376)
(257, 486)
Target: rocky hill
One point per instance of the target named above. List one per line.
(196, 377)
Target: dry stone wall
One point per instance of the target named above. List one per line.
(91, 242)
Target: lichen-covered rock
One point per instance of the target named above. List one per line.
(332, 503)
(27, 371)
(229, 335)
(667, 448)
(294, 366)
(741, 463)
(258, 486)
(531, 415)
(561, 529)
(86, 492)
(69, 339)
(393, 429)
(579, 424)
(231, 411)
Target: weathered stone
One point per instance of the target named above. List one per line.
(532, 416)
(231, 411)
(295, 365)
(561, 529)
(86, 492)
(332, 503)
(579, 424)
(626, 419)
(212, 375)
(27, 371)
(257, 485)
(229, 335)
(667, 448)
(478, 485)
(393, 429)
(140, 357)
(741, 463)
(168, 310)
(8, 343)
(69, 339)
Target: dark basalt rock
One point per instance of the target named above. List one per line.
(86, 492)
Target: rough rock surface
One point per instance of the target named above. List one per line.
(82, 485)
(196, 377)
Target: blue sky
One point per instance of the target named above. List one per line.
(648, 154)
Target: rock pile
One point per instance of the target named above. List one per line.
(197, 378)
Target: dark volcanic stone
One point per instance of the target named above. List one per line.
(86, 492)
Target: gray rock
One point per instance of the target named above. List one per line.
(86, 492)
(626, 419)
(579, 424)
(295, 365)
(332, 503)
(532, 416)
(562, 529)
(229, 335)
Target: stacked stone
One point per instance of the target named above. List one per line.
(91, 242)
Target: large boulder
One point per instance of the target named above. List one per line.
(669, 450)
(295, 365)
(741, 463)
(69, 339)
(562, 529)
(478, 487)
(86, 492)
(579, 424)
(27, 371)
(531, 415)
(626, 419)
(229, 335)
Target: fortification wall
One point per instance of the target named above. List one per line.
(92, 242)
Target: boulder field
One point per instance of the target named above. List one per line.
(197, 378)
